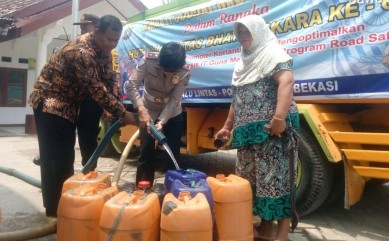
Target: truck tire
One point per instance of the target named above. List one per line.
(314, 176)
(211, 163)
(337, 189)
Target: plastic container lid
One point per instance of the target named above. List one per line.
(144, 184)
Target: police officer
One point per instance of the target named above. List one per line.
(164, 78)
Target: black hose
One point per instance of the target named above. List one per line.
(161, 138)
(99, 149)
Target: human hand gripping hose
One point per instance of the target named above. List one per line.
(161, 138)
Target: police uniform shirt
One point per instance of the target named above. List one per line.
(162, 91)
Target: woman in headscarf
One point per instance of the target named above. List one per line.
(264, 118)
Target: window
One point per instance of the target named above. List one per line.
(13, 84)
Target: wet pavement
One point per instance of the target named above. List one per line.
(21, 203)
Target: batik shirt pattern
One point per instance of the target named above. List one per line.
(255, 105)
(75, 71)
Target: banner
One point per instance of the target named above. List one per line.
(340, 49)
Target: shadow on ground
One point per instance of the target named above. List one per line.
(368, 218)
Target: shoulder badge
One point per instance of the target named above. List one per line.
(152, 55)
(184, 72)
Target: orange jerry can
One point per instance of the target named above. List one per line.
(92, 177)
(232, 197)
(79, 212)
(131, 217)
(186, 218)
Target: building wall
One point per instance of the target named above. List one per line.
(40, 44)
(19, 48)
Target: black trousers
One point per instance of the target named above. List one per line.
(88, 128)
(56, 138)
(147, 159)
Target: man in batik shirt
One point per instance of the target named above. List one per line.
(88, 121)
(80, 68)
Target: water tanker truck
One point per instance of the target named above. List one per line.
(340, 51)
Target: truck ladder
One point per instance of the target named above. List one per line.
(367, 162)
(367, 152)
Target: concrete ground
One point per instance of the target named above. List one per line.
(21, 203)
